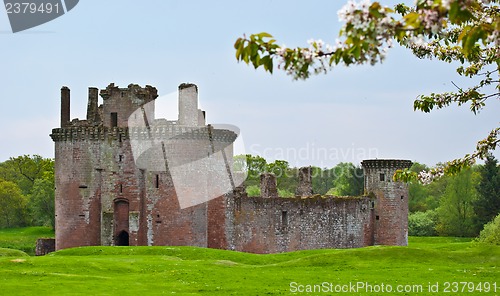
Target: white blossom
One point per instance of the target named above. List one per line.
(281, 50)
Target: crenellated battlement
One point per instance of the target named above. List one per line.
(386, 163)
(166, 132)
(146, 94)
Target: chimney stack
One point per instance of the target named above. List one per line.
(92, 107)
(188, 104)
(268, 186)
(65, 106)
(305, 182)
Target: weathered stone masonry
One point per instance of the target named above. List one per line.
(106, 197)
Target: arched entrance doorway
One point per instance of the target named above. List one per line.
(122, 239)
(121, 222)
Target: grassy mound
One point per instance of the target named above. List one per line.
(23, 239)
(192, 270)
(11, 253)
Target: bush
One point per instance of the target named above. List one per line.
(491, 232)
(422, 223)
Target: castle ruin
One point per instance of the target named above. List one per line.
(117, 183)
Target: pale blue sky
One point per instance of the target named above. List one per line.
(347, 115)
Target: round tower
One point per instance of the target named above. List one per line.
(390, 207)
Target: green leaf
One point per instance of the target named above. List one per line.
(374, 10)
(412, 20)
(239, 45)
(267, 62)
(356, 51)
(264, 35)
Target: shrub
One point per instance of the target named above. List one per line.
(491, 232)
(422, 223)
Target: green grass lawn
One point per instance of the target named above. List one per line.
(196, 271)
(23, 239)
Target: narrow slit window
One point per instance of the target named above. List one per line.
(114, 119)
(382, 177)
(402, 197)
(157, 181)
(120, 158)
(284, 218)
(121, 188)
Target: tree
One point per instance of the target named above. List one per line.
(42, 201)
(487, 206)
(460, 31)
(349, 181)
(24, 170)
(417, 192)
(253, 190)
(456, 215)
(279, 168)
(425, 197)
(255, 165)
(322, 179)
(13, 210)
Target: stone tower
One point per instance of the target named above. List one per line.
(120, 173)
(390, 206)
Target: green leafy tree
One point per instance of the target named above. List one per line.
(279, 168)
(456, 214)
(434, 192)
(285, 193)
(290, 182)
(41, 203)
(24, 170)
(253, 190)
(13, 205)
(425, 197)
(349, 181)
(322, 179)
(487, 205)
(418, 193)
(464, 32)
(255, 165)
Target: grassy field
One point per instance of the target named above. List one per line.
(23, 239)
(195, 271)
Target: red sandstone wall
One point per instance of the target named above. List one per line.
(77, 195)
(270, 225)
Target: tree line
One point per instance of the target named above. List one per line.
(457, 205)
